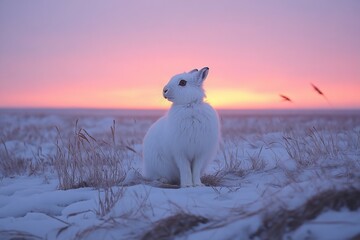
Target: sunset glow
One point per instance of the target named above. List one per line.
(120, 54)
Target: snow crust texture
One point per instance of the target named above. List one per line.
(69, 174)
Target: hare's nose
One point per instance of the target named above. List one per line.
(165, 90)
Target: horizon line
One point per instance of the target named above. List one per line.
(165, 109)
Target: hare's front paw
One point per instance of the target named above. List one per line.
(186, 186)
(197, 181)
(199, 185)
(187, 183)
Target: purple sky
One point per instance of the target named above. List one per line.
(116, 53)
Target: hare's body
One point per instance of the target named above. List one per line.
(179, 145)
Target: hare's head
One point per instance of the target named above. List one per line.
(186, 88)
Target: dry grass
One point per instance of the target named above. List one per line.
(11, 165)
(232, 160)
(174, 226)
(17, 235)
(213, 180)
(108, 197)
(315, 145)
(82, 161)
(114, 216)
(236, 163)
(276, 224)
(324, 151)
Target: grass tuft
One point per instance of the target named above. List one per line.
(14, 235)
(213, 180)
(108, 197)
(306, 149)
(173, 226)
(82, 161)
(11, 165)
(277, 223)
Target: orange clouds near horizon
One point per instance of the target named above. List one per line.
(151, 98)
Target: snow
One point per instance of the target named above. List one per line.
(331, 225)
(254, 176)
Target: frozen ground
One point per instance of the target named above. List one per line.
(76, 174)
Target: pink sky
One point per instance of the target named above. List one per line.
(120, 54)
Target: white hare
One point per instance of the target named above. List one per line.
(178, 146)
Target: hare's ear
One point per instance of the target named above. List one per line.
(203, 74)
(194, 70)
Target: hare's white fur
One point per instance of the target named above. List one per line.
(177, 147)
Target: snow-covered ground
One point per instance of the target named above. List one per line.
(76, 174)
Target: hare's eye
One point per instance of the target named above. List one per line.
(182, 83)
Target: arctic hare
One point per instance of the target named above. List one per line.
(178, 146)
